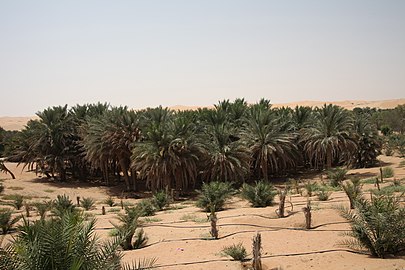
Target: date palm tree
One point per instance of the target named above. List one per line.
(4, 169)
(46, 143)
(170, 151)
(109, 138)
(227, 158)
(329, 137)
(271, 146)
(68, 242)
(368, 143)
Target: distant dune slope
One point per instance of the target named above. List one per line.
(17, 123)
(14, 123)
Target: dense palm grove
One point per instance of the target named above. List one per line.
(233, 141)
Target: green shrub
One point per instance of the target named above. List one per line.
(213, 196)
(161, 199)
(7, 221)
(18, 202)
(63, 205)
(377, 225)
(397, 182)
(237, 252)
(113, 232)
(87, 203)
(323, 194)
(352, 188)
(390, 190)
(387, 172)
(128, 228)
(337, 175)
(65, 243)
(310, 188)
(260, 195)
(42, 208)
(1, 188)
(140, 239)
(109, 201)
(371, 180)
(145, 208)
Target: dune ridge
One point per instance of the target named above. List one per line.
(18, 123)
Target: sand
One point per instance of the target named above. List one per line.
(18, 123)
(176, 237)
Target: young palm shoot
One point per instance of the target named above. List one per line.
(352, 188)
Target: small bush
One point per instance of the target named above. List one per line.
(140, 239)
(396, 182)
(337, 175)
(323, 194)
(42, 208)
(389, 190)
(113, 232)
(161, 200)
(310, 188)
(352, 188)
(1, 188)
(87, 203)
(213, 196)
(387, 172)
(260, 195)
(18, 202)
(377, 225)
(110, 201)
(369, 180)
(7, 221)
(128, 228)
(145, 208)
(237, 252)
(63, 205)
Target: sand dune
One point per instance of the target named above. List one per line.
(17, 123)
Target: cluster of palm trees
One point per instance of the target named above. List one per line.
(233, 141)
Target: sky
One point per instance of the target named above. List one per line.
(168, 52)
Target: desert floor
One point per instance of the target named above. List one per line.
(177, 236)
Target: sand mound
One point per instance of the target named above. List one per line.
(18, 123)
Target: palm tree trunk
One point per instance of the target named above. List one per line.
(6, 170)
(134, 178)
(328, 160)
(124, 169)
(105, 173)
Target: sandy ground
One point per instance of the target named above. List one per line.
(18, 123)
(176, 236)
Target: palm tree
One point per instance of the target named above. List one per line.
(301, 117)
(109, 138)
(4, 169)
(271, 146)
(234, 111)
(227, 158)
(68, 242)
(368, 143)
(170, 151)
(330, 136)
(46, 143)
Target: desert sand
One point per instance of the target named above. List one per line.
(18, 123)
(176, 235)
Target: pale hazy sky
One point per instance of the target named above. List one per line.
(147, 53)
